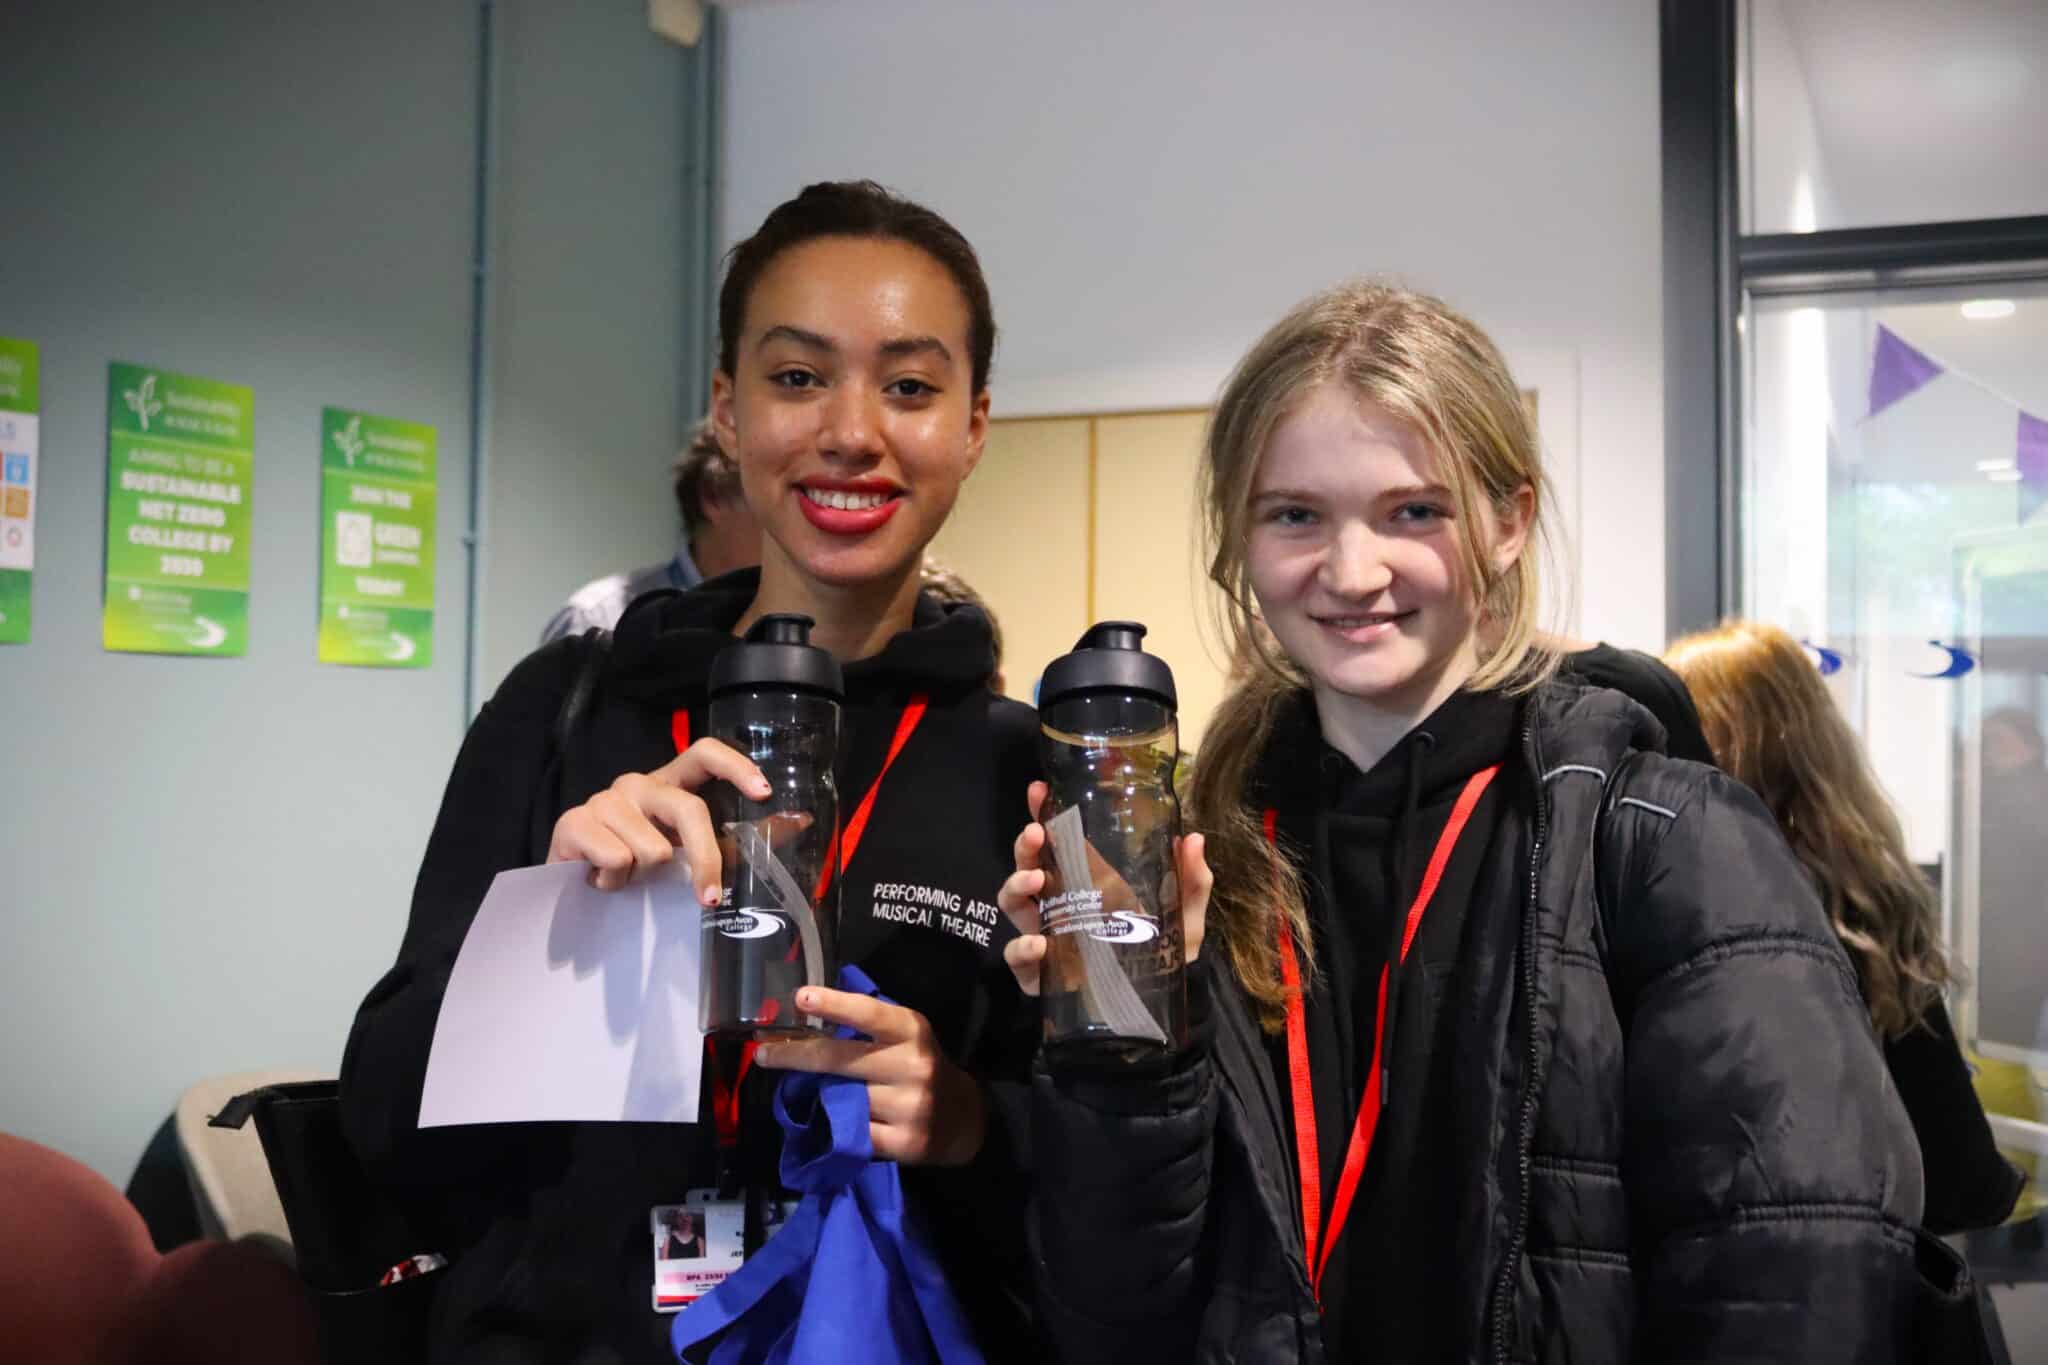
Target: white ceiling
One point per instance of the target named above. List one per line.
(1927, 109)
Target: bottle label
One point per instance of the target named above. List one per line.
(1081, 912)
(742, 922)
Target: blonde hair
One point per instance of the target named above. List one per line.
(1774, 728)
(1429, 366)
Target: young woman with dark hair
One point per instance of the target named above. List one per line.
(852, 392)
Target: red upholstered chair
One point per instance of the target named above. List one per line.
(80, 1283)
(225, 1303)
(71, 1248)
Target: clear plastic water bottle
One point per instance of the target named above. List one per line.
(1114, 982)
(775, 697)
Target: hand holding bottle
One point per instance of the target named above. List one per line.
(641, 820)
(1018, 898)
(1113, 981)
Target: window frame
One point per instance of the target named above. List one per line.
(1711, 270)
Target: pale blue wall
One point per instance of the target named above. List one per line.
(205, 863)
(591, 351)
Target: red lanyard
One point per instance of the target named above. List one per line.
(845, 841)
(1307, 1154)
(725, 1097)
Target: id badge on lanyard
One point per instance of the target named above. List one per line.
(697, 1243)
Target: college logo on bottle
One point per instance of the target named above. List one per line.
(740, 923)
(1126, 926)
(142, 401)
(1081, 912)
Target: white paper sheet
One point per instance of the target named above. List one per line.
(568, 1003)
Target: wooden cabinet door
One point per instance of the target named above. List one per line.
(1019, 537)
(1147, 551)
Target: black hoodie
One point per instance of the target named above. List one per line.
(546, 1225)
(1364, 841)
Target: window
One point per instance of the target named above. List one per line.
(1893, 515)
(1856, 377)
(1890, 111)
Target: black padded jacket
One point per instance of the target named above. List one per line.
(1672, 1136)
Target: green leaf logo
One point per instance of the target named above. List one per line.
(349, 440)
(142, 400)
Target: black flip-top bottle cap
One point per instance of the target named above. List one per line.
(1109, 657)
(777, 653)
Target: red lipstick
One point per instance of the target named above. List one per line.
(848, 507)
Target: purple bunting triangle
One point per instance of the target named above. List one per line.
(2032, 459)
(1896, 370)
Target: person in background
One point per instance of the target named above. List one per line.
(950, 588)
(1487, 1062)
(719, 535)
(1774, 728)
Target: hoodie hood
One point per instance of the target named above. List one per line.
(664, 644)
(1573, 723)
(1469, 731)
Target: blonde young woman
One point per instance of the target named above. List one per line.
(1463, 1085)
(1775, 729)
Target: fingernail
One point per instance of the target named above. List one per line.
(765, 1054)
(761, 786)
(807, 998)
(709, 895)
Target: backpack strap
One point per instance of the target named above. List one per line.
(1610, 851)
(551, 799)
(1637, 800)
(597, 648)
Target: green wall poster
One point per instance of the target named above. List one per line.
(19, 400)
(180, 457)
(377, 540)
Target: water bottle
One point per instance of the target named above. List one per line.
(774, 696)
(1114, 980)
